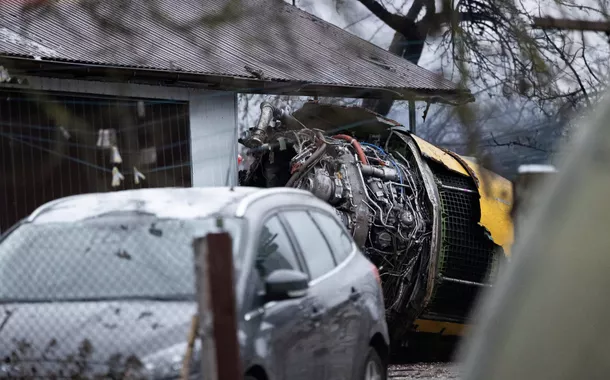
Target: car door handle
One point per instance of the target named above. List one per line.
(354, 295)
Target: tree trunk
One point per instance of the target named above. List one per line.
(384, 105)
(408, 41)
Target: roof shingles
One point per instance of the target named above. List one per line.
(267, 37)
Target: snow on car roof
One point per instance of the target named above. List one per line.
(172, 203)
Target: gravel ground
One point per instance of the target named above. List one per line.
(426, 371)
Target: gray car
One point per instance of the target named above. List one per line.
(103, 285)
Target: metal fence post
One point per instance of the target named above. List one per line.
(526, 183)
(220, 356)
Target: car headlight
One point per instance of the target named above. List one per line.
(167, 363)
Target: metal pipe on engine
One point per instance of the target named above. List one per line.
(259, 134)
(366, 193)
(385, 173)
(267, 147)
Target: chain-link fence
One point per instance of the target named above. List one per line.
(101, 290)
(94, 287)
(54, 145)
(93, 296)
(97, 285)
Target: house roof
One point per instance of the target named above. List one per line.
(259, 42)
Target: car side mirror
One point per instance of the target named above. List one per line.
(283, 284)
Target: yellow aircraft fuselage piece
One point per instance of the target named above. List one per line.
(495, 202)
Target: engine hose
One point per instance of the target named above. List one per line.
(305, 167)
(356, 146)
(320, 136)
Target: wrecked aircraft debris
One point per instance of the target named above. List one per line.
(436, 224)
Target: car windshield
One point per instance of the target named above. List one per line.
(108, 257)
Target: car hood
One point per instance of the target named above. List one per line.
(45, 339)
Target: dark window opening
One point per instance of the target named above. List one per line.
(54, 145)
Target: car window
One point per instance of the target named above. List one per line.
(108, 257)
(340, 243)
(275, 250)
(315, 249)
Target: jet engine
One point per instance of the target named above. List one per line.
(436, 224)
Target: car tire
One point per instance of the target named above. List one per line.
(374, 369)
(248, 377)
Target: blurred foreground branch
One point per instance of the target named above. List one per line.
(566, 24)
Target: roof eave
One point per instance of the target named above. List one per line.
(21, 65)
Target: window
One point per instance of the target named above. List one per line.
(108, 257)
(339, 241)
(316, 251)
(275, 250)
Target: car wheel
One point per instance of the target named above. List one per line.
(373, 367)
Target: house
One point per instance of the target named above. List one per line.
(109, 95)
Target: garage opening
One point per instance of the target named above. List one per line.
(54, 145)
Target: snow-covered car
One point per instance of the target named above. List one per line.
(104, 285)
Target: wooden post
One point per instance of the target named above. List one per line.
(220, 356)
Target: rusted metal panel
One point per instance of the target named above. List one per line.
(292, 46)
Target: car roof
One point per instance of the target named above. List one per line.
(171, 203)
